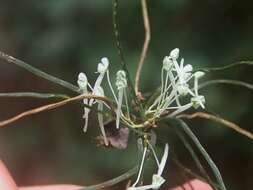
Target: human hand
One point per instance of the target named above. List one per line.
(7, 183)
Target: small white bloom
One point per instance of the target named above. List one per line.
(167, 63)
(198, 101)
(157, 181)
(83, 85)
(183, 89)
(82, 81)
(184, 72)
(174, 54)
(199, 74)
(103, 66)
(121, 83)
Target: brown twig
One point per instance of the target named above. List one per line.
(218, 120)
(53, 106)
(144, 48)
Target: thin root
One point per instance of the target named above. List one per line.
(220, 120)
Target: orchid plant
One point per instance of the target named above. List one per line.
(175, 83)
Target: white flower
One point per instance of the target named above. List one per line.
(83, 85)
(199, 74)
(184, 74)
(103, 66)
(157, 179)
(102, 69)
(198, 101)
(174, 54)
(167, 63)
(121, 83)
(183, 89)
(175, 82)
(97, 90)
(82, 81)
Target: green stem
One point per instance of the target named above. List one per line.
(39, 73)
(211, 163)
(33, 95)
(194, 156)
(113, 181)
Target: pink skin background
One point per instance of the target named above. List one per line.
(7, 183)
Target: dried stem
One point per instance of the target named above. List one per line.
(144, 48)
(220, 120)
(53, 106)
(238, 63)
(39, 73)
(226, 81)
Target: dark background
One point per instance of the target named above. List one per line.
(69, 36)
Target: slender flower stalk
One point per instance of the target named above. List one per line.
(83, 85)
(121, 83)
(100, 92)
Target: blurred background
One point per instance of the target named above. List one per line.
(66, 37)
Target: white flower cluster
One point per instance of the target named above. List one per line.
(175, 82)
(157, 179)
(175, 79)
(121, 84)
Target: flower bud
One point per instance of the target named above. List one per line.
(198, 101)
(167, 63)
(82, 81)
(174, 54)
(121, 81)
(103, 66)
(157, 181)
(183, 89)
